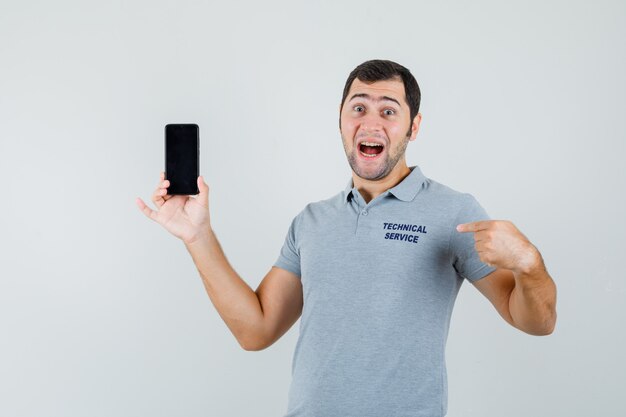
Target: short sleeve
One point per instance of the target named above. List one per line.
(465, 258)
(289, 257)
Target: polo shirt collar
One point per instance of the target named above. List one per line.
(406, 190)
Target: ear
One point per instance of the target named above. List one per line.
(415, 126)
(339, 117)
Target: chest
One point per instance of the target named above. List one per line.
(384, 255)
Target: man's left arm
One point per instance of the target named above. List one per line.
(520, 288)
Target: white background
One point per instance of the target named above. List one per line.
(102, 312)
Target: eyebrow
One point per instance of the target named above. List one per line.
(381, 98)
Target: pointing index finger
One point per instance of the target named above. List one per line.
(472, 226)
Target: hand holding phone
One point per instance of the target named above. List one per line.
(185, 217)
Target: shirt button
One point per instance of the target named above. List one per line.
(364, 212)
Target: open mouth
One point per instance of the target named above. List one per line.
(370, 149)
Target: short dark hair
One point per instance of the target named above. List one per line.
(382, 70)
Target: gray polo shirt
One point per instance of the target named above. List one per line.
(379, 284)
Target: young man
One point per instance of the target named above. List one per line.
(374, 270)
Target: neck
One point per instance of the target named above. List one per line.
(370, 189)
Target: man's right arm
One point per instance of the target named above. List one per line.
(256, 319)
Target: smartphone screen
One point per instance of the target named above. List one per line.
(182, 158)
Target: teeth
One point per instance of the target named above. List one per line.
(369, 155)
(370, 144)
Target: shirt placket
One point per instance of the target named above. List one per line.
(363, 211)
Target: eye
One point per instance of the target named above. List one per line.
(389, 112)
(358, 108)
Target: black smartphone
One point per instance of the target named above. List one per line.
(182, 158)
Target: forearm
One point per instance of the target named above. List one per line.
(533, 300)
(235, 301)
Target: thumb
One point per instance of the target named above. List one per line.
(203, 197)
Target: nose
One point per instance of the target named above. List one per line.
(371, 121)
(371, 124)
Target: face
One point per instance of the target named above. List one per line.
(376, 127)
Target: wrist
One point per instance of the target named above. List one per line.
(530, 263)
(202, 236)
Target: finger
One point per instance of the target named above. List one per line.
(203, 197)
(151, 214)
(159, 185)
(160, 194)
(161, 179)
(473, 226)
(481, 236)
(157, 198)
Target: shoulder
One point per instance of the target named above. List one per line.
(317, 211)
(453, 200)
(324, 207)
